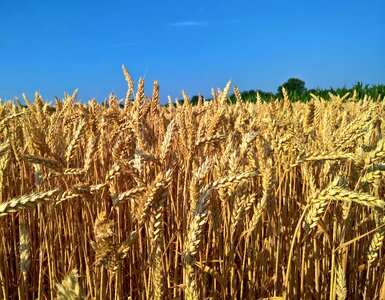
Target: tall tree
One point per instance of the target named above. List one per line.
(293, 85)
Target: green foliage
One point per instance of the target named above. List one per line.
(194, 100)
(297, 92)
(293, 85)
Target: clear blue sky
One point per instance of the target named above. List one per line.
(57, 46)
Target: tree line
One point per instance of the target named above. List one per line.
(297, 91)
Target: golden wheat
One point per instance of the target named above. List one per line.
(208, 201)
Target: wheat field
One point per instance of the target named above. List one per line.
(135, 200)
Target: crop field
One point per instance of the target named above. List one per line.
(137, 200)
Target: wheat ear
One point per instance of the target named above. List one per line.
(69, 288)
(24, 250)
(156, 235)
(26, 201)
(378, 237)
(74, 141)
(194, 237)
(340, 286)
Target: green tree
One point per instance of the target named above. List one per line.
(293, 85)
(194, 100)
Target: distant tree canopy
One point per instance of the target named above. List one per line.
(293, 85)
(194, 99)
(298, 92)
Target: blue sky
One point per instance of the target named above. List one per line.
(57, 46)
